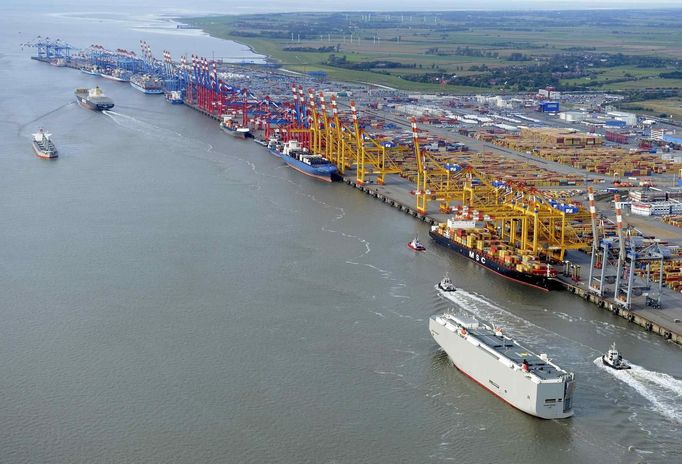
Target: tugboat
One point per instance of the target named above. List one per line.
(43, 146)
(446, 285)
(614, 360)
(416, 245)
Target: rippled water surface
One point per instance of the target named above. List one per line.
(170, 294)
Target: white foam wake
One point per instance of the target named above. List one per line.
(521, 329)
(138, 125)
(661, 390)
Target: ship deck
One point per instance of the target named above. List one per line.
(516, 353)
(506, 347)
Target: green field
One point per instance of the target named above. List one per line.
(668, 107)
(470, 52)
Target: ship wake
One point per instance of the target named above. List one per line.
(521, 329)
(663, 391)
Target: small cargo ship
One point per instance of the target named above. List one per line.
(316, 166)
(43, 145)
(614, 360)
(116, 74)
(147, 84)
(469, 240)
(513, 373)
(93, 99)
(235, 130)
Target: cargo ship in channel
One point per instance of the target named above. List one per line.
(93, 99)
(469, 240)
(513, 373)
(43, 145)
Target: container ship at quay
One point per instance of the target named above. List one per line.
(312, 165)
(116, 74)
(93, 99)
(230, 127)
(513, 373)
(147, 84)
(475, 243)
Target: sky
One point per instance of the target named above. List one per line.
(245, 6)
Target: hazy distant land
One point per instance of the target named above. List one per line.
(636, 51)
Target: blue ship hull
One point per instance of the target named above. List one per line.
(325, 172)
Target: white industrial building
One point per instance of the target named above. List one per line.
(499, 101)
(573, 116)
(417, 110)
(662, 208)
(630, 119)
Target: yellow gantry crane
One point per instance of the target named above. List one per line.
(348, 147)
(435, 181)
(519, 215)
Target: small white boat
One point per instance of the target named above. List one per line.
(416, 245)
(446, 285)
(614, 360)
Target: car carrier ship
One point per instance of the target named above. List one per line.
(474, 242)
(513, 373)
(93, 99)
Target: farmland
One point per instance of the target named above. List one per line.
(471, 52)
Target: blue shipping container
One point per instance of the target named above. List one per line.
(549, 107)
(615, 123)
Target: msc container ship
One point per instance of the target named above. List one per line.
(471, 241)
(525, 380)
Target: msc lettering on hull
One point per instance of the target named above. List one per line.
(477, 257)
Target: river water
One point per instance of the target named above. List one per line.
(170, 294)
